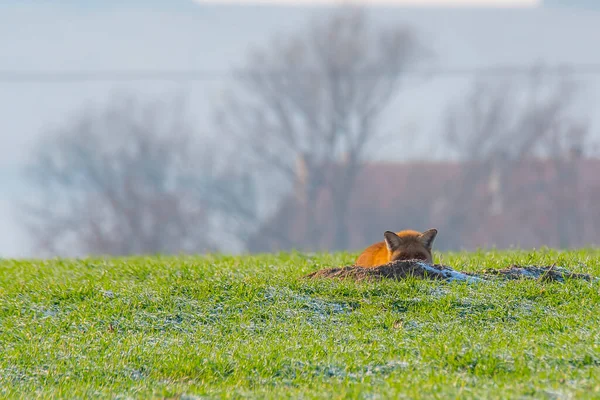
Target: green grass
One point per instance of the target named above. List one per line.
(233, 327)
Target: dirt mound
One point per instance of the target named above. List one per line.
(401, 269)
(394, 270)
(551, 273)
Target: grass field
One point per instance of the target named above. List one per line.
(193, 327)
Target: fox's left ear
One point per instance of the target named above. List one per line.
(428, 237)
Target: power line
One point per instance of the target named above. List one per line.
(109, 75)
(13, 76)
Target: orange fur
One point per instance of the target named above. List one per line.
(403, 245)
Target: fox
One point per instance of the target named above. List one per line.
(403, 245)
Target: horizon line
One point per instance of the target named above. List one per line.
(385, 3)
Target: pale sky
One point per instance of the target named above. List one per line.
(210, 38)
(437, 3)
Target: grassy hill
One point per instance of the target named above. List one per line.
(191, 327)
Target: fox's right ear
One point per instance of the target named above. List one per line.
(392, 241)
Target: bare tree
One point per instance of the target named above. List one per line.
(309, 105)
(510, 129)
(127, 179)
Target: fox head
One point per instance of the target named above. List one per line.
(410, 245)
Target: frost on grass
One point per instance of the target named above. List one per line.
(399, 270)
(295, 369)
(313, 311)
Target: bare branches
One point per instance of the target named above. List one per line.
(127, 179)
(508, 136)
(514, 119)
(313, 98)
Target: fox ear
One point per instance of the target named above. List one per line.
(392, 241)
(428, 237)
